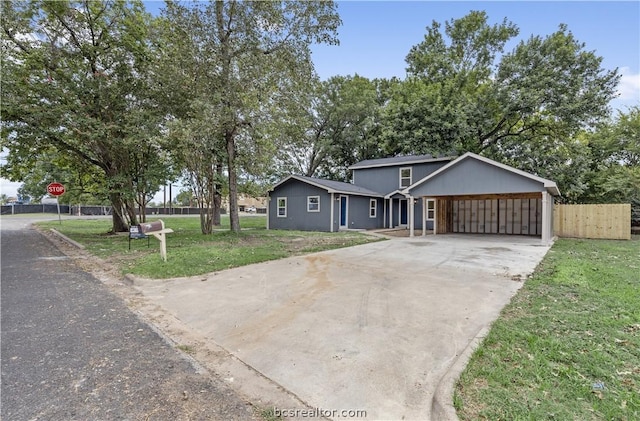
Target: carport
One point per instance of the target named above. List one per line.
(474, 194)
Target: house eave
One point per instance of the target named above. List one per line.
(396, 164)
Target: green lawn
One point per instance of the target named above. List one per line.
(568, 345)
(192, 253)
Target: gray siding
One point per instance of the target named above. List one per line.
(359, 213)
(297, 217)
(387, 179)
(471, 176)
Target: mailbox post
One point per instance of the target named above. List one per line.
(157, 229)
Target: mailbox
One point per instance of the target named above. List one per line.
(149, 227)
(156, 229)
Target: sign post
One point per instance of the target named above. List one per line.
(56, 189)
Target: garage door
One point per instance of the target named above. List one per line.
(497, 216)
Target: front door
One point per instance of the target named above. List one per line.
(403, 212)
(344, 205)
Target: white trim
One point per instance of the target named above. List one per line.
(309, 203)
(393, 193)
(278, 206)
(395, 163)
(390, 213)
(325, 188)
(427, 209)
(548, 184)
(268, 213)
(375, 208)
(400, 177)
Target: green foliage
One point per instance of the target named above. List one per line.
(331, 128)
(524, 107)
(75, 83)
(613, 175)
(251, 57)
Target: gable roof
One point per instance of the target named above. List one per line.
(331, 186)
(548, 184)
(398, 160)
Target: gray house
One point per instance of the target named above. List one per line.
(468, 194)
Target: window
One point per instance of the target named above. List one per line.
(431, 209)
(282, 207)
(313, 203)
(405, 177)
(373, 206)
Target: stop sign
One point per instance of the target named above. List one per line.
(55, 189)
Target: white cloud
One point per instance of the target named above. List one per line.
(629, 86)
(10, 188)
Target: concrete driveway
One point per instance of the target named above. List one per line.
(373, 327)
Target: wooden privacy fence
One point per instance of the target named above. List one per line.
(593, 221)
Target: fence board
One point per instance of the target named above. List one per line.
(610, 221)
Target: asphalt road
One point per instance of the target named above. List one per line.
(71, 350)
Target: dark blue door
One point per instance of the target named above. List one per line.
(343, 211)
(403, 212)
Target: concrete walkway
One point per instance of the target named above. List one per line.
(369, 328)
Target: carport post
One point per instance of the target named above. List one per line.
(412, 217)
(424, 216)
(546, 218)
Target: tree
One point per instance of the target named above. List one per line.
(524, 107)
(335, 126)
(75, 79)
(614, 172)
(255, 51)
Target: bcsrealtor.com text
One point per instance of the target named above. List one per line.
(319, 413)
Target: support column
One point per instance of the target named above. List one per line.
(435, 216)
(546, 219)
(390, 213)
(424, 216)
(384, 212)
(412, 212)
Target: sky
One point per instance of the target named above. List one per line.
(376, 36)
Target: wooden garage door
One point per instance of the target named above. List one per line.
(497, 216)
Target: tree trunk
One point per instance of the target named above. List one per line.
(217, 197)
(119, 222)
(234, 217)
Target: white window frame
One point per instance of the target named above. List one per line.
(373, 206)
(309, 203)
(278, 207)
(432, 210)
(410, 177)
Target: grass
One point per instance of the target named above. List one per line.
(191, 253)
(567, 347)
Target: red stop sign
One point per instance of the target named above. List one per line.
(55, 189)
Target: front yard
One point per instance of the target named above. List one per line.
(568, 345)
(192, 253)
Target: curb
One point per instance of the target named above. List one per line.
(442, 408)
(67, 239)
